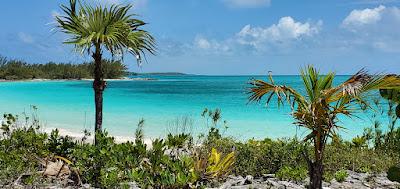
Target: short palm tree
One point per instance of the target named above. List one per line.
(392, 95)
(318, 109)
(97, 29)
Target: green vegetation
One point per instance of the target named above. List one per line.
(322, 105)
(173, 162)
(159, 74)
(98, 29)
(394, 173)
(393, 95)
(292, 173)
(33, 158)
(341, 175)
(20, 70)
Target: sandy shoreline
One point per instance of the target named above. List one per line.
(78, 136)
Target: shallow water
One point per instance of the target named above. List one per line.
(69, 105)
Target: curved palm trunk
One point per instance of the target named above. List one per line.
(98, 85)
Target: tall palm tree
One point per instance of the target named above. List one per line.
(318, 109)
(97, 29)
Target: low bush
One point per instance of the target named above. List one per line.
(341, 175)
(175, 162)
(292, 173)
(393, 173)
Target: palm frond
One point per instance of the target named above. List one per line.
(283, 93)
(322, 104)
(112, 27)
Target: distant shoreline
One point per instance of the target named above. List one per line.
(135, 77)
(159, 73)
(83, 79)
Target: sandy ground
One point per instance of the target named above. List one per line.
(90, 139)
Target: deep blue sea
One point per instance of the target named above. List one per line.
(69, 105)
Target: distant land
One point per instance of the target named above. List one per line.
(159, 73)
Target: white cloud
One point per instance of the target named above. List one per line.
(26, 38)
(359, 18)
(283, 36)
(375, 28)
(202, 43)
(286, 30)
(213, 46)
(247, 3)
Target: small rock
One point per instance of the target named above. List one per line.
(248, 180)
(86, 186)
(232, 181)
(266, 176)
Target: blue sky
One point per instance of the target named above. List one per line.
(222, 37)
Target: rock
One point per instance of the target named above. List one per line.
(266, 176)
(354, 180)
(233, 181)
(86, 186)
(247, 180)
(384, 182)
(240, 187)
(273, 183)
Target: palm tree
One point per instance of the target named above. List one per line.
(97, 29)
(318, 109)
(392, 95)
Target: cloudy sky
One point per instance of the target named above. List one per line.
(229, 36)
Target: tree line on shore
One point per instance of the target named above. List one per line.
(11, 69)
(175, 162)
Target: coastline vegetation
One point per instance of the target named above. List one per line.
(320, 108)
(30, 157)
(95, 30)
(179, 160)
(21, 70)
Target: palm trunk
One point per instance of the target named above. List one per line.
(315, 174)
(98, 85)
(315, 167)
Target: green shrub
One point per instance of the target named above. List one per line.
(344, 156)
(161, 171)
(107, 163)
(393, 174)
(20, 146)
(292, 173)
(171, 163)
(359, 142)
(341, 175)
(328, 176)
(60, 145)
(259, 157)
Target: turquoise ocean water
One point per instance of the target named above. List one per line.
(69, 105)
